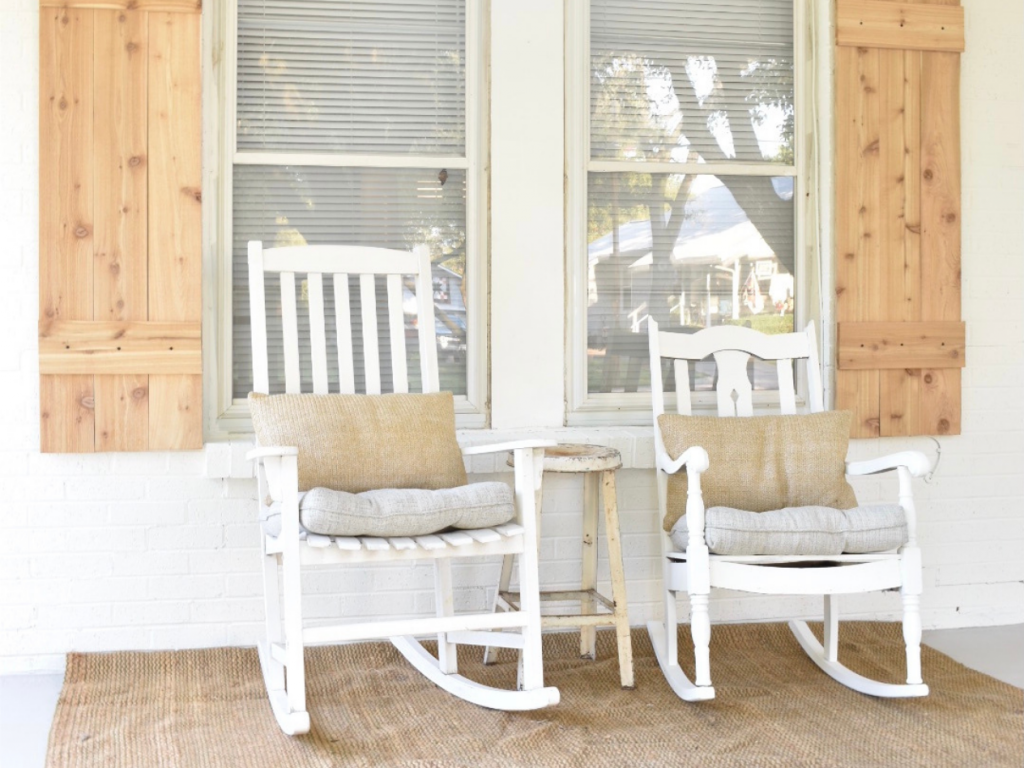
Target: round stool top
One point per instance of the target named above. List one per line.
(576, 457)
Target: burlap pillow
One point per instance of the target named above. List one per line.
(359, 443)
(761, 463)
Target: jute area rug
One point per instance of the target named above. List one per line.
(370, 708)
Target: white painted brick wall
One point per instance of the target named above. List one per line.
(159, 550)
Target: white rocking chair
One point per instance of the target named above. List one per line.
(281, 653)
(696, 570)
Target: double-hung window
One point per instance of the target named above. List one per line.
(685, 175)
(355, 123)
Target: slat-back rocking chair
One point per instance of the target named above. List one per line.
(694, 569)
(281, 653)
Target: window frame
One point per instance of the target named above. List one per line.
(226, 416)
(614, 409)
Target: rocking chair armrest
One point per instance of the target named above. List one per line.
(473, 450)
(915, 461)
(264, 452)
(694, 458)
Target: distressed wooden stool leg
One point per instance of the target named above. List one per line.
(611, 525)
(588, 635)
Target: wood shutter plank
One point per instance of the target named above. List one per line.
(120, 254)
(66, 214)
(180, 6)
(122, 412)
(175, 225)
(858, 204)
(67, 414)
(899, 25)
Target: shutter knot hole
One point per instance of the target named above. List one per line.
(950, 217)
(928, 378)
(135, 160)
(928, 175)
(63, 103)
(943, 426)
(139, 393)
(81, 231)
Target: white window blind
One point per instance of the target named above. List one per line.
(352, 129)
(358, 76)
(690, 178)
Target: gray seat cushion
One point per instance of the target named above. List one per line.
(399, 511)
(800, 530)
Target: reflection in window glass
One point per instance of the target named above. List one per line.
(684, 250)
(380, 207)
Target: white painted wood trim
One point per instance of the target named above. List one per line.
(527, 214)
(341, 160)
(915, 461)
(711, 169)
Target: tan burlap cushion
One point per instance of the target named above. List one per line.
(761, 463)
(359, 443)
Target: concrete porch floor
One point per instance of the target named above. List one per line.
(27, 702)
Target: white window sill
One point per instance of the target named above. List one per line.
(636, 444)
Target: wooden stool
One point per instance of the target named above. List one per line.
(598, 465)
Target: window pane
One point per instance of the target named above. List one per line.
(364, 76)
(692, 80)
(382, 207)
(691, 252)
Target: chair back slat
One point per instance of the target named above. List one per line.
(787, 390)
(317, 331)
(732, 383)
(371, 355)
(258, 319)
(343, 325)
(682, 369)
(396, 322)
(732, 347)
(290, 326)
(342, 262)
(427, 332)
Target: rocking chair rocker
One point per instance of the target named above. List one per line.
(693, 567)
(278, 472)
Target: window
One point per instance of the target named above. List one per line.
(685, 178)
(358, 123)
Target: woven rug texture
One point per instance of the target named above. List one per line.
(207, 708)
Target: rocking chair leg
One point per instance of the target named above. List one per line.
(831, 630)
(912, 637)
(700, 629)
(507, 562)
(447, 653)
(273, 669)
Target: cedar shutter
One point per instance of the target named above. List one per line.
(900, 336)
(119, 225)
